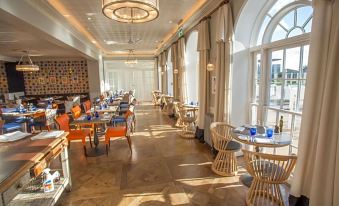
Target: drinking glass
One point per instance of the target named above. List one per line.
(269, 132)
(253, 131)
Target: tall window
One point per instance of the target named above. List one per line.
(192, 69)
(279, 81)
(140, 77)
(169, 73)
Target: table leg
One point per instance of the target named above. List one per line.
(97, 151)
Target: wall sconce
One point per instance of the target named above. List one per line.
(175, 71)
(210, 67)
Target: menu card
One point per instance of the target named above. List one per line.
(13, 136)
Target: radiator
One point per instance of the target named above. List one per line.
(207, 132)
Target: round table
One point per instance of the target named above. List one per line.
(242, 134)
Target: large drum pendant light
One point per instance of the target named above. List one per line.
(131, 11)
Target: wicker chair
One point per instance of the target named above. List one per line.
(177, 107)
(168, 105)
(268, 172)
(225, 163)
(188, 118)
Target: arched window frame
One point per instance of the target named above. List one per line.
(259, 106)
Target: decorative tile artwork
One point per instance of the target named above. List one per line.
(58, 77)
(3, 79)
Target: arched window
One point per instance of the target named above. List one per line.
(282, 41)
(169, 73)
(192, 69)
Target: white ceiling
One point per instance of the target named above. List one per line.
(16, 37)
(104, 29)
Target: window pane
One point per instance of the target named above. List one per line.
(296, 130)
(254, 111)
(288, 20)
(278, 34)
(257, 77)
(295, 32)
(292, 63)
(271, 119)
(290, 95)
(277, 64)
(305, 61)
(303, 14)
(275, 93)
(308, 26)
(287, 122)
(301, 95)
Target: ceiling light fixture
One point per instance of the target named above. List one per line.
(30, 67)
(131, 11)
(131, 61)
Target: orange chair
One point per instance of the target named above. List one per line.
(120, 131)
(63, 122)
(87, 105)
(76, 112)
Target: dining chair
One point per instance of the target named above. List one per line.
(177, 107)
(225, 163)
(117, 132)
(74, 134)
(87, 105)
(268, 172)
(76, 113)
(189, 118)
(123, 118)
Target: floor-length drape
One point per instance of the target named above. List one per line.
(224, 36)
(163, 62)
(174, 54)
(316, 175)
(182, 69)
(204, 46)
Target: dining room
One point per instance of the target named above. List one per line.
(169, 102)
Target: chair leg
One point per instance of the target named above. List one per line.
(85, 151)
(129, 143)
(106, 149)
(48, 128)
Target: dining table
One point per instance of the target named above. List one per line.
(259, 140)
(101, 119)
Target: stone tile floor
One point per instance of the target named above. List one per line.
(163, 169)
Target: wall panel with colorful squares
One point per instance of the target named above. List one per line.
(3, 79)
(56, 76)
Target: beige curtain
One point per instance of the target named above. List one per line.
(224, 36)
(163, 61)
(203, 48)
(317, 172)
(174, 54)
(182, 92)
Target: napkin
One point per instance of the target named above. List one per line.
(13, 136)
(46, 135)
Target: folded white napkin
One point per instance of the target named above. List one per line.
(239, 129)
(46, 135)
(263, 140)
(13, 136)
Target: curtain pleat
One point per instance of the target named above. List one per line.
(204, 46)
(224, 36)
(317, 171)
(182, 90)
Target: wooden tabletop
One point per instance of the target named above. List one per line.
(16, 158)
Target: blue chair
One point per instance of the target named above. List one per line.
(10, 127)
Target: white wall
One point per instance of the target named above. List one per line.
(95, 77)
